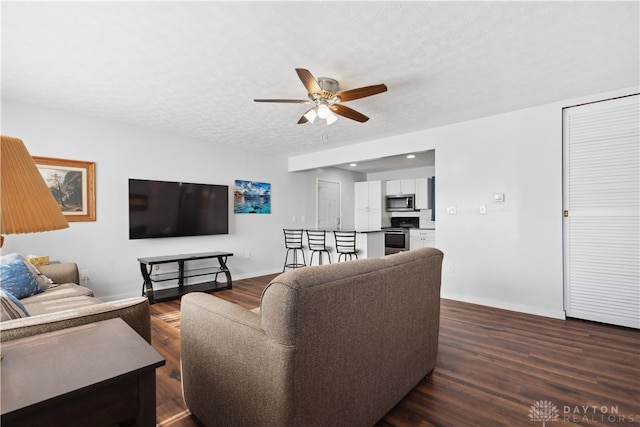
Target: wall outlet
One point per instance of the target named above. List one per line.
(483, 209)
(84, 275)
(450, 268)
(452, 210)
(247, 254)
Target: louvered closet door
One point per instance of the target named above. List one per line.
(602, 204)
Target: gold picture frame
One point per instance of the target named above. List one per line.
(73, 185)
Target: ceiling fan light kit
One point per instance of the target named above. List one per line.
(324, 94)
(310, 115)
(323, 111)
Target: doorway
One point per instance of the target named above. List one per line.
(328, 212)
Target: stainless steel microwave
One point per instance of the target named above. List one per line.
(400, 203)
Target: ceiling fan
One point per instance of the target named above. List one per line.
(326, 100)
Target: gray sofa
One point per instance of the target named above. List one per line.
(67, 304)
(331, 345)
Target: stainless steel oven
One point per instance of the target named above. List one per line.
(396, 240)
(396, 237)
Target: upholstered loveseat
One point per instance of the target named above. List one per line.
(63, 304)
(332, 345)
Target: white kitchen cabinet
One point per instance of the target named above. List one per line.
(401, 186)
(393, 187)
(423, 198)
(370, 212)
(421, 239)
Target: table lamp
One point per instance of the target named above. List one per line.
(26, 204)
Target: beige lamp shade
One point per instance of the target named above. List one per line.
(27, 205)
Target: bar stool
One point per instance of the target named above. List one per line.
(346, 244)
(293, 242)
(318, 244)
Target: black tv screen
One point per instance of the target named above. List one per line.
(175, 209)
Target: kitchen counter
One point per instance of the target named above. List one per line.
(331, 231)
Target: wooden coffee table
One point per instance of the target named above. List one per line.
(98, 374)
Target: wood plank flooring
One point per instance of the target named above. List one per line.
(494, 368)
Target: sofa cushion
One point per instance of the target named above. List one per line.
(11, 307)
(65, 290)
(43, 281)
(16, 276)
(53, 306)
(62, 272)
(134, 311)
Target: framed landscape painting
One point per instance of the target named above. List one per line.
(72, 183)
(251, 197)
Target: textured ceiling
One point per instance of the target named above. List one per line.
(194, 68)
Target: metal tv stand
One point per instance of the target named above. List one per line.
(146, 268)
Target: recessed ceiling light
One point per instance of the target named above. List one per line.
(353, 165)
(411, 156)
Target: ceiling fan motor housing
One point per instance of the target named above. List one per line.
(328, 84)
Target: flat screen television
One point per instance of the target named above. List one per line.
(176, 209)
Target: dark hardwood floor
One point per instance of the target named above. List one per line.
(494, 368)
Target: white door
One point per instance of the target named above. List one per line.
(601, 198)
(328, 215)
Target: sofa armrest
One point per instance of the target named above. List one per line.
(224, 351)
(134, 311)
(66, 272)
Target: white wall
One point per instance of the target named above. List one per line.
(512, 256)
(122, 152)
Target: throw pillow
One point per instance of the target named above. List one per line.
(16, 277)
(11, 307)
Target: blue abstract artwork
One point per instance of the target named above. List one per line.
(251, 197)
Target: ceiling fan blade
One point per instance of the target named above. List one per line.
(308, 81)
(349, 113)
(290, 101)
(362, 92)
